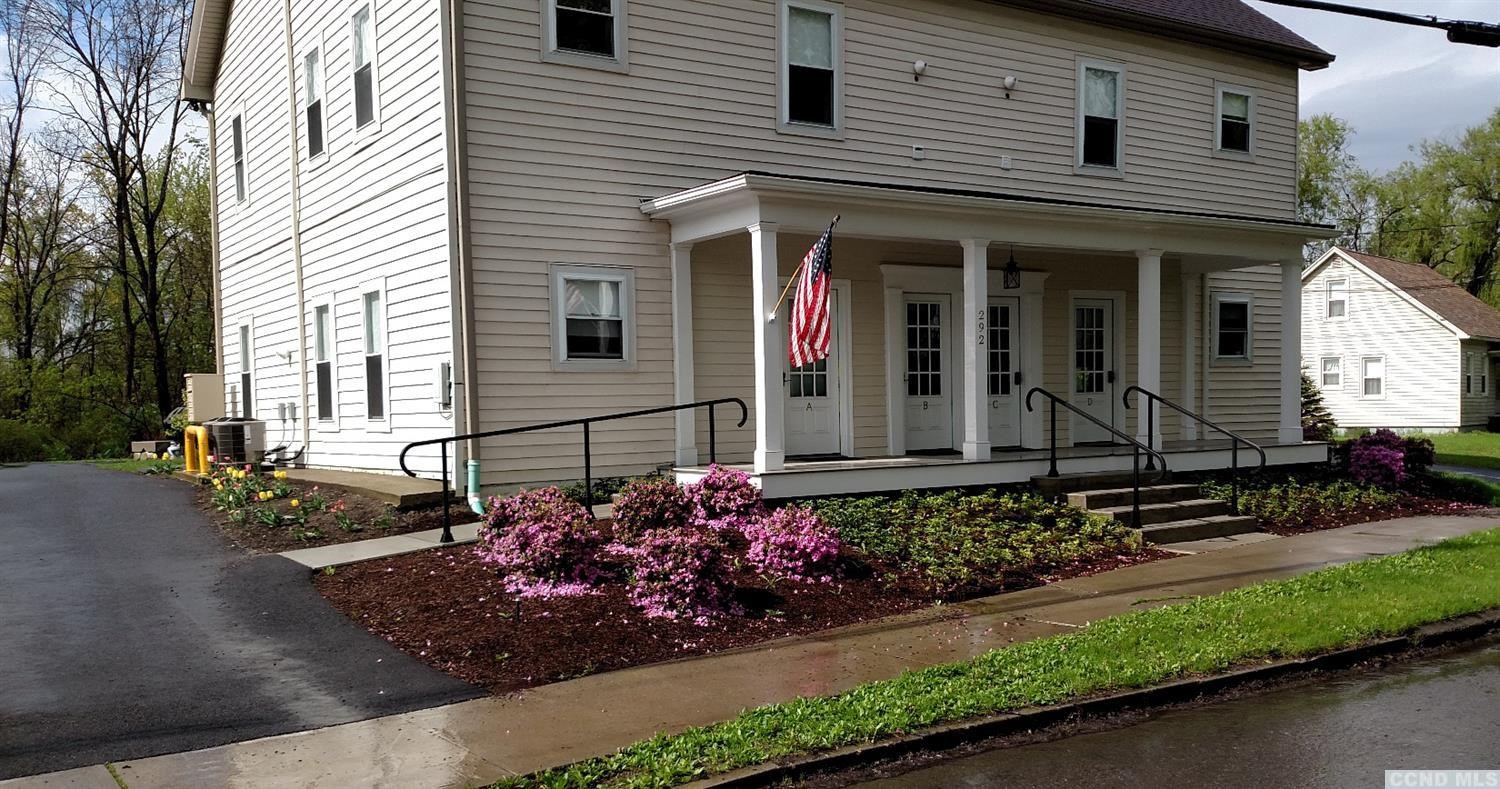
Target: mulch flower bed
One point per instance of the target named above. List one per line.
(451, 611)
(1407, 507)
(368, 518)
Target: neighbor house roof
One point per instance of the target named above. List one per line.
(1429, 289)
(1230, 24)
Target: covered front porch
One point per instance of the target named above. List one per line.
(938, 337)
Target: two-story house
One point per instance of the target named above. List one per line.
(591, 206)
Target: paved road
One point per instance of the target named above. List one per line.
(1435, 714)
(1490, 474)
(129, 628)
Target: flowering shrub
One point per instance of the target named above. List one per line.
(725, 499)
(651, 504)
(795, 544)
(681, 573)
(1372, 464)
(544, 543)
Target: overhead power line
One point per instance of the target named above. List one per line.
(1484, 34)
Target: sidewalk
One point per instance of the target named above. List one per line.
(478, 741)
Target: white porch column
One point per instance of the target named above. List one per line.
(682, 353)
(1189, 355)
(770, 408)
(1148, 338)
(976, 308)
(1291, 351)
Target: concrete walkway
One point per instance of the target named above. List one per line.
(477, 741)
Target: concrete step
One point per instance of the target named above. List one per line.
(1190, 529)
(1092, 480)
(1117, 497)
(1169, 511)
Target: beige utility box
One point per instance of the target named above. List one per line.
(204, 396)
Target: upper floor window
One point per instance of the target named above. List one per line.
(584, 32)
(810, 63)
(362, 46)
(592, 316)
(1101, 114)
(237, 142)
(1236, 132)
(1231, 326)
(1336, 298)
(312, 78)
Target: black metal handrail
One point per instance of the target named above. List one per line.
(1235, 439)
(588, 461)
(1135, 454)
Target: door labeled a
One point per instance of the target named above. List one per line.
(814, 400)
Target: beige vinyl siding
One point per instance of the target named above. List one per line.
(1246, 398)
(1477, 406)
(560, 157)
(1422, 360)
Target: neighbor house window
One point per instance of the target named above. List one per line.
(1231, 326)
(1236, 120)
(1372, 375)
(1101, 114)
(247, 370)
(1333, 372)
(362, 32)
(810, 63)
(312, 78)
(1476, 374)
(592, 313)
(323, 358)
(1337, 298)
(237, 142)
(373, 312)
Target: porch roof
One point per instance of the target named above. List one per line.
(886, 210)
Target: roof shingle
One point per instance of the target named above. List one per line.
(1437, 292)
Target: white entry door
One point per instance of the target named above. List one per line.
(813, 397)
(1003, 386)
(929, 406)
(1093, 387)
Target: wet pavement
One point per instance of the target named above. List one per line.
(1437, 713)
(129, 627)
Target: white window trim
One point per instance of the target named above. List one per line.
(621, 274)
(1328, 298)
(551, 54)
(1385, 378)
(234, 199)
(373, 127)
(382, 424)
(1220, 89)
(1321, 384)
(331, 302)
(1118, 171)
(242, 325)
(1236, 298)
(783, 100)
(322, 50)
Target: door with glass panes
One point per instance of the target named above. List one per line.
(813, 398)
(1003, 380)
(1093, 384)
(929, 404)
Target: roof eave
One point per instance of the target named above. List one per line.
(200, 66)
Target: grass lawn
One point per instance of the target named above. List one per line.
(1468, 449)
(132, 465)
(1314, 613)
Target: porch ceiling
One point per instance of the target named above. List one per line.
(874, 210)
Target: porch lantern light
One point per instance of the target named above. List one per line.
(1012, 271)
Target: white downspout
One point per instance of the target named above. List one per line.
(296, 196)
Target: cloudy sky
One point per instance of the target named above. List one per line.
(1397, 84)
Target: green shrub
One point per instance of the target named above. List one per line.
(23, 443)
(1297, 504)
(604, 488)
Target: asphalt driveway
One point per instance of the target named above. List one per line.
(129, 628)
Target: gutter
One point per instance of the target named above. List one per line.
(296, 198)
(213, 236)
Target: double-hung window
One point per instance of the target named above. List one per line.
(1476, 374)
(1336, 299)
(324, 360)
(592, 316)
(237, 143)
(312, 91)
(1231, 326)
(585, 33)
(372, 311)
(810, 64)
(1372, 377)
(363, 51)
(247, 370)
(1236, 130)
(1332, 372)
(1101, 115)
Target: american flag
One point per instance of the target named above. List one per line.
(811, 325)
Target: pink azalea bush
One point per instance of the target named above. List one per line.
(725, 499)
(793, 543)
(544, 543)
(1374, 464)
(681, 573)
(651, 504)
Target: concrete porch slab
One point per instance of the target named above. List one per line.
(380, 547)
(398, 490)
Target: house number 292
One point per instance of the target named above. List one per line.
(980, 320)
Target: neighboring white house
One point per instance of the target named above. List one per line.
(1397, 345)
(589, 206)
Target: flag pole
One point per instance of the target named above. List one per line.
(793, 281)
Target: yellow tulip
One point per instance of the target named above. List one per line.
(296, 503)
